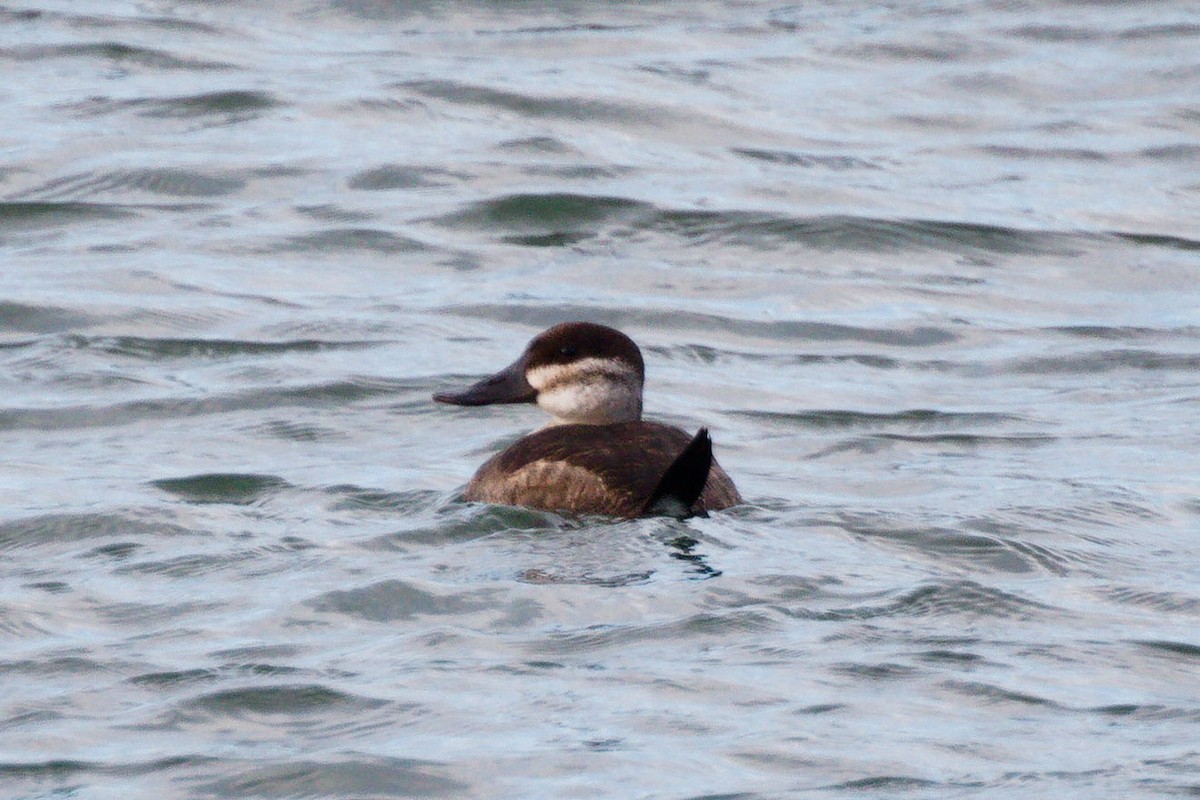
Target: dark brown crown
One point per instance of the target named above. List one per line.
(572, 341)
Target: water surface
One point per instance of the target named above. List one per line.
(928, 273)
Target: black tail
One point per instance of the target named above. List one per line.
(683, 482)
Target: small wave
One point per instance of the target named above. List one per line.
(997, 545)
(172, 182)
(348, 240)
(1125, 332)
(523, 215)
(704, 354)
(293, 700)
(330, 212)
(396, 176)
(391, 600)
(1107, 361)
(25, 214)
(292, 431)
(1170, 30)
(63, 665)
(539, 145)
(969, 441)
(582, 109)
(108, 22)
(546, 216)
(875, 671)
(350, 498)
(68, 529)
(943, 598)
(229, 105)
(1020, 153)
(834, 163)
(867, 234)
(1055, 33)
(941, 50)
(949, 657)
(1180, 650)
(730, 623)
(40, 318)
(20, 621)
(545, 314)
(123, 616)
(234, 488)
(1149, 712)
(198, 564)
(92, 416)
(116, 551)
(154, 349)
(175, 679)
(117, 52)
(1170, 602)
(993, 694)
(887, 783)
(910, 419)
(1159, 240)
(541, 577)
(384, 107)
(461, 522)
(1121, 510)
(362, 776)
(64, 768)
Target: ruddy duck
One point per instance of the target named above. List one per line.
(597, 455)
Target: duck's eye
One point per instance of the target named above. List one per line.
(569, 350)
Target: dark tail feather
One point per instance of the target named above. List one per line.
(683, 482)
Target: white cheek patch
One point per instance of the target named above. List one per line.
(572, 400)
(542, 378)
(590, 390)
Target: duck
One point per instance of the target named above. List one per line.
(596, 455)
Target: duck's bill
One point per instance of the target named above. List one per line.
(507, 386)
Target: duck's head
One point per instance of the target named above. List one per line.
(578, 372)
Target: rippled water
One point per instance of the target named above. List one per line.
(930, 273)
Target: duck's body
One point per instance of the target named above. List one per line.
(602, 469)
(598, 455)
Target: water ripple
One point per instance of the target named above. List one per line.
(397, 600)
(290, 700)
(1107, 361)
(518, 217)
(347, 777)
(66, 529)
(528, 105)
(58, 769)
(173, 182)
(230, 105)
(91, 416)
(942, 598)
(545, 314)
(15, 214)
(349, 240)
(599, 638)
(116, 52)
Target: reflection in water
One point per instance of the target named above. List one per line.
(684, 547)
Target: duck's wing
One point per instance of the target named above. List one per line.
(681, 485)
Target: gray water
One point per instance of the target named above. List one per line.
(929, 272)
